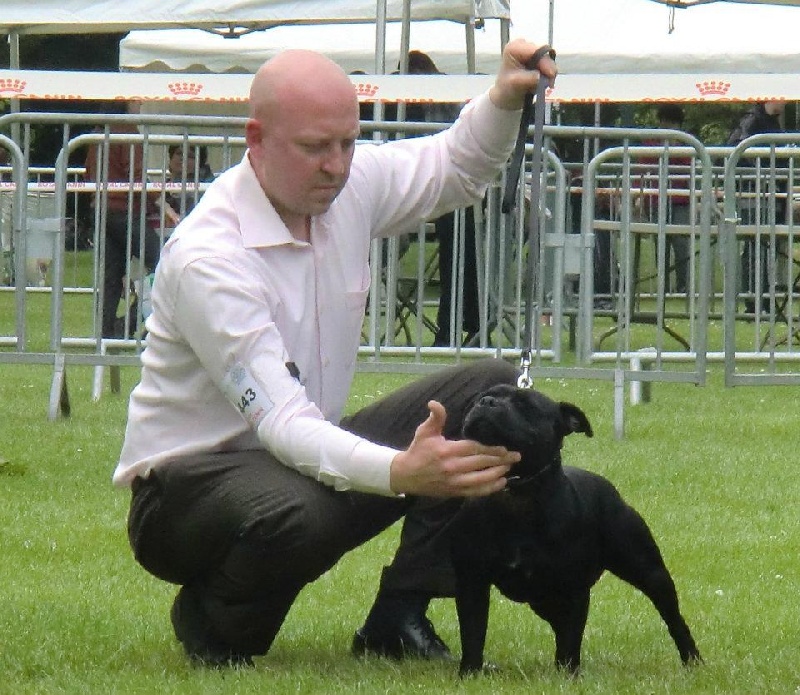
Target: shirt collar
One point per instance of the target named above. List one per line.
(259, 222)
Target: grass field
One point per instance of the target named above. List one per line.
(713, 470)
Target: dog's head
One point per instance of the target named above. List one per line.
(526, 421)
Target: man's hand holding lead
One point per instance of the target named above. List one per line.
(515, 78)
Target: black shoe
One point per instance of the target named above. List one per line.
(441, 340)
(472, 339)
(198, 638)
(603, 304)
(411, 636)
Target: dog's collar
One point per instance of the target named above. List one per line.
(516, 483)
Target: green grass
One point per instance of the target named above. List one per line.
(713, 470)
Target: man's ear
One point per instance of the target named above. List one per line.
(574, 420)
(253, 133)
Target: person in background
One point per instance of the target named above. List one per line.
(420, 63)
(671, 116)
(190, 169)
(125, 166)
(247, 481)
(762, 117)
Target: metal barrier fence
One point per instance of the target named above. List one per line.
(14, 243)
(762, 264)
(612, 296)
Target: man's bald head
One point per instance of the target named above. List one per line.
(300, 77)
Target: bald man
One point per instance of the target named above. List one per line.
(246, 482)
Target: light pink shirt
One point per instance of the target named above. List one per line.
(236, 297)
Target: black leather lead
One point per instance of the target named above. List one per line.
(532, 112)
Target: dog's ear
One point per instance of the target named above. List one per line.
(574, 419)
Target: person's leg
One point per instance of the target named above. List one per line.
(444, 227)
(243, 534)
(680, 247)
(152, 248)
(747, 261)
(765, 285)
(682, 254)
(602, 263)
(472, 321)
(448, 282)
(151, 243)
(420, 570)
(113, 270)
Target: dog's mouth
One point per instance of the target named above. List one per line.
(490, 429)
(480, 430)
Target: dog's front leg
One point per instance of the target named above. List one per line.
(472, 606)
(567, 617)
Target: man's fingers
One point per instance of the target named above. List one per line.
(475, 483)
(469, 447)
(436, 466)
(434, 423)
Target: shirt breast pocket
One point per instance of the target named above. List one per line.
(355, 305)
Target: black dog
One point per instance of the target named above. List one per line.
(548, 537)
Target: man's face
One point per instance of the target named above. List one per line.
(176, 167)
(775, 107)
(302, 157)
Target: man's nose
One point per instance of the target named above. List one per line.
(335, 161)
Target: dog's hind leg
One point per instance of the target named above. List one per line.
(659, 587)
(638, 561)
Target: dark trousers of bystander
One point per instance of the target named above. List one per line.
(243, 534)
(116, 264)
(448, 278)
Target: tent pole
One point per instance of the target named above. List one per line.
(470, 32)
(13, 41)
(380, 56)
(405, 43)
(405, 37)
(380, 37)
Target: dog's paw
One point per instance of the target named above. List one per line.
(569, 667)
(693, 659)
(486, 669)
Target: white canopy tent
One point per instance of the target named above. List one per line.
(617, 37)
(194, 51)
(237, 17)
(111, 16)
(614, 50)
(693, 3)
(633, 37)
(609, 51)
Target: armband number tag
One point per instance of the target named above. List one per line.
(242, 390)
